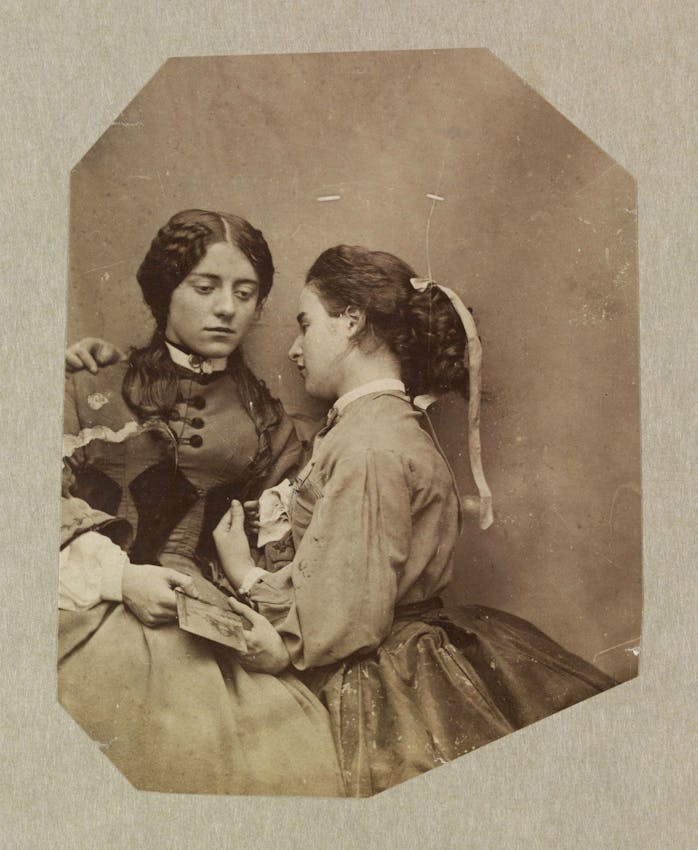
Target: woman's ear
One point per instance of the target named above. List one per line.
(356, 320)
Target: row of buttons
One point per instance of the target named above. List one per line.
(197, 422)
(198, 403)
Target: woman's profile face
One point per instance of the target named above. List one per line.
(213, 307)
(321, 346)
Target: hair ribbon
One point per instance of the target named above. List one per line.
(474, 364)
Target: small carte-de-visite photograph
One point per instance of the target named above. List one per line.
(351, 458)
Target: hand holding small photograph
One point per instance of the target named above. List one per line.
(211, 622)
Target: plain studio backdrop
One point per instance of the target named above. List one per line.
(536, 231)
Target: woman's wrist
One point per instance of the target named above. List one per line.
(236, 571)
(283, 659)
(251, 577)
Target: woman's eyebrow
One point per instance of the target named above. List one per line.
(206, 275)
(246, 280)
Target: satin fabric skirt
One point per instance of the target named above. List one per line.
(177, 713)
(442, 684)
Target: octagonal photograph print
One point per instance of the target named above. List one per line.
(351, 456)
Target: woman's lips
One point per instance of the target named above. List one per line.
(219, 330)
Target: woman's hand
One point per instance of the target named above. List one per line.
(266, 651)
(231, 543)
(251, 515)
(90, 353)
(148, 592)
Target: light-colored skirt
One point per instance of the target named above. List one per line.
(177, 713)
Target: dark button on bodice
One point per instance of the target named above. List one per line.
(198, 402)
(197, 422)
(196, 441)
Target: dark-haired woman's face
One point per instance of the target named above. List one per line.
(213, 307)
(321, 346)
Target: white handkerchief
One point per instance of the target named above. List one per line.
(273, 513)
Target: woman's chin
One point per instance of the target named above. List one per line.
(215, 350)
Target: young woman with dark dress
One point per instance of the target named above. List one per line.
(155, 447)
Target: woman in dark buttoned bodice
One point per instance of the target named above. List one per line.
(163, 442)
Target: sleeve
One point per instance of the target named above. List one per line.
(92, 554)
(286, 451)
(338, 595)
(90, 571)
(73, 459)
(71, 421)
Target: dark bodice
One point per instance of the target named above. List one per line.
(171, 480)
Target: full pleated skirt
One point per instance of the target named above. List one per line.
(177, 713)
(442, 684)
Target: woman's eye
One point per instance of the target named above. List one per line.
(203, 288)
(244, 294)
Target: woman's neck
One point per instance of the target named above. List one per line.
(184, 356)
(368, 368)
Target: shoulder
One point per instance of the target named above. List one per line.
(106, 379)
(386, 432)
(97, 398)
(383, 423)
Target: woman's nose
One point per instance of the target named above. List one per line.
(225, 303)
(296, 349)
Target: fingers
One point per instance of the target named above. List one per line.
(78, 357)
(168, 601)
(243, 610)
(182, 580)
(251, 515)
(90, 353)
(72, 362)
(105, 354)
(237, 516)
(251, 509)
(232, 520)
(161, 618)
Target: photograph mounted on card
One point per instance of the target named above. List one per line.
(431, 390)
(211, 622)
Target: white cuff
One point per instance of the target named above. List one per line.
(91, 569)
(251, 578)
(112, 577)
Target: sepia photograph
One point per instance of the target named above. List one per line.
(351, 457)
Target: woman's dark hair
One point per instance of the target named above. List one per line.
(150, 384)
(182, 243)
(422, 329)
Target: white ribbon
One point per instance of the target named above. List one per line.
(475, 384)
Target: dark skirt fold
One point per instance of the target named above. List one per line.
(443, 683)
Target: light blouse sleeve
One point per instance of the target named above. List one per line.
(90, 571)
(338, 595)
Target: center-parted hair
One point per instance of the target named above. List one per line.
(181, 244)
(150, 383)
(421, 329)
